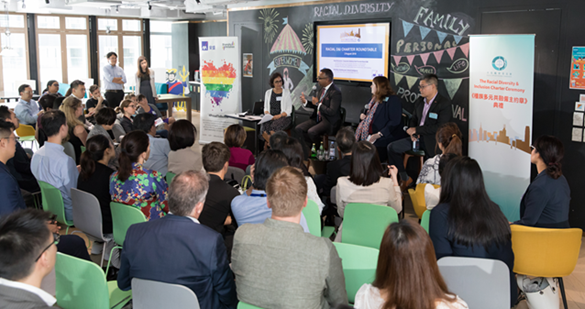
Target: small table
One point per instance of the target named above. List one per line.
(170, 98)
(255, 120)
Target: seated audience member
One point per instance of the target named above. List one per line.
(9, 189)
(50, 164)
(326, 105)
(278, 103)
(58, 101)
(77, 134)
(276, 139)
(135, 185)
(432, 194)
(96, 100)
(104, 121)
(293, 150)
(47, 103)
(449, 141)
(366, 182)
(52, 89)
(159, 147)
(94, 176)
(76, 89)
(467, 223)
(145, 107)
(431, 111)
(27, 110)
(19, 165)
(381, 120)
(128, 109)
(182, 156)
(546, 201)
(345, 140)
(251, 206)
(404, 248)
(131, 97)
(234, 137)
(194, 253)
(302, 272)
(217, 211)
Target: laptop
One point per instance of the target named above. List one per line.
(258, 108)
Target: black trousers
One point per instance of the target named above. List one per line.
(395, 151)
(114, 97)
(73, 245)
(310, 132)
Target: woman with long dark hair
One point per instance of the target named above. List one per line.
(52, 88)
(135, 185)
(145, 81)
(407, 263)
(449, 140)
(546, 201)
(381, 119)
(467, 223)
(94, 176)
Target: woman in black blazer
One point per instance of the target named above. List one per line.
(467, 223)
(381, 122)
(546, 201)
(128, 109)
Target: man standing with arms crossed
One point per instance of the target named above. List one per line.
(114, 80)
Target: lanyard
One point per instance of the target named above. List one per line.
(258, 194)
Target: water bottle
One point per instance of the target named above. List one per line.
(415, 145)
(313, 152)
(332, 151)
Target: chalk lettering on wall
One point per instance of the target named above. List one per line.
(458, 66)
(407, 95)
(447, 22)
(426, 69)
(423, 46)
(351, 9)
(401, 68)
(458, 112)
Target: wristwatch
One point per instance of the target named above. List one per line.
(380, 133)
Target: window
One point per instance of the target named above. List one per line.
(107, 43)
(76, 23)
(48, 22)
(161, 55)
(77, 57)
(16, 21)
(107, 24)
(131, 25)
(49, 51)
(13, 69)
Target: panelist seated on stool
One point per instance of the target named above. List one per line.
(327, 111)
(431, 110)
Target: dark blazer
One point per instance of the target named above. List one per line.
(546, 203)
(388, 121)
(445, 245)
(127, 124)
(19, 167)
(441, 108)
(331, 107)
(10, 192)
(13, 298)
(177, 250)
(217, 204)
(336, 169)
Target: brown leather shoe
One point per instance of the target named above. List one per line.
(405, 184)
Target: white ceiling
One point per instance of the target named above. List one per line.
(153, 9)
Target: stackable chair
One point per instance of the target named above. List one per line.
(359, 266)
(169, 177)
(123, 216)
(53, 203)
(364, 224)
(167, 295)
(313, 217)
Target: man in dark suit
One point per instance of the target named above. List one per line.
(326, 111)
(178, 249)
(431, 111)
(23, 267)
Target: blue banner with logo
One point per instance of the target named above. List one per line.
(501, 75)
(352, 50)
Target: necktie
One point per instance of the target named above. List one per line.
(320, 100)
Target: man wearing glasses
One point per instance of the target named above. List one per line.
(326, 114)
(23, 267)
(431, 110)
(27, 110)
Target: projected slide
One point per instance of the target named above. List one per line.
(356, 52)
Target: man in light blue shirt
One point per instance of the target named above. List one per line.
(158, 159)
(251, 206)
(27, 110)
(50, 164)
(114, 80)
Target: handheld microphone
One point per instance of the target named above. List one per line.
(313, 91)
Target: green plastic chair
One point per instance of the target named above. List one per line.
(424, 221)
(364, 224)
(123, 216)
(170, 177)
(53, 203)
(83, 149)
(242, 305)
(311, 212)
(359, 266)
(82, 284)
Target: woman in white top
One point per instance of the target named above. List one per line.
(182, 157)
(365, 183)
(407, 275)
(278, 103)
(449, 141)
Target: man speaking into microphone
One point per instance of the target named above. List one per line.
(326, 111)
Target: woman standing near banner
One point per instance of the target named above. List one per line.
(145, 81)
(278, 103)
(546, 201)
(381, 122)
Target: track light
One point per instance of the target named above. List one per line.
(117, 9)
(23, 5)
(48, 1)
(149, 6)
(198, 1)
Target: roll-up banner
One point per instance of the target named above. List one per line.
(221, 72)
(501, 74)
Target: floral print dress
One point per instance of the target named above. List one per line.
(145, 190)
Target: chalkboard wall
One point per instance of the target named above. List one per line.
(432, 36)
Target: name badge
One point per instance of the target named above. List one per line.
(278, 99)
(433, 115)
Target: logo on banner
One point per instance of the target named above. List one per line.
(228, 45)
(350, 36)
(204, 45)
(499, 63)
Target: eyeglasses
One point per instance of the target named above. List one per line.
(131, 105)
(423, 87)
(320, 78)
(16, 138)
(279, 81)
(533, 148)
(56, 238)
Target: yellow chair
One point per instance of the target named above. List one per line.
(26, 133)
(544, 252)
(418, 199)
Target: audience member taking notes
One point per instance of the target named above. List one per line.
(276, 264)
